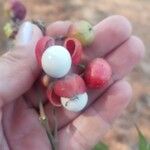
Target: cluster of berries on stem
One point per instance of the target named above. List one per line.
(64, 86)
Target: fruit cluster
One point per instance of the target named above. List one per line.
(17, 12)
(63, 86)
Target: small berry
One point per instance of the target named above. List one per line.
(42, 45)
(53, 98)
(82, 31)
(56, 61)
(75, 104)
(69, 86)
(18, 11)
(97, 73)
(75, 49)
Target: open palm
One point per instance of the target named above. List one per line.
(20, 128)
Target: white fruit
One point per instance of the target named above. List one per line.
(76, 103)
(56, 61)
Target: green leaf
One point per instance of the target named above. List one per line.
(101, 146)
(143, 144)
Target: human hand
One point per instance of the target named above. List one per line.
(20, 126)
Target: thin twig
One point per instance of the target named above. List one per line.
(55, 126)
(44, 120)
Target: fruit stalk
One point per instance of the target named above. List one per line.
(44, 120)
(55, 127)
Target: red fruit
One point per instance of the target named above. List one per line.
(18, 11)
(75, 49)
(69, 86)
(97, 73)
(41, 46)
(53, 98)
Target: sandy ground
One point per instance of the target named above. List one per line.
(123, 135)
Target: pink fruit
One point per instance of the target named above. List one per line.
(97, 73)
(69, 86)
(41, 46)
(18, 11)
(75, 49)
(53, 98)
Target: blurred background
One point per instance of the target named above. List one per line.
(123, 135)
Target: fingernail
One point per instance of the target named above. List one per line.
(24, 35)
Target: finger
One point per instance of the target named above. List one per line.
(22, 127)
(87, 129)
(109, 34)
(58, 28)
(18, 67)
(122, 60)
(32, 96)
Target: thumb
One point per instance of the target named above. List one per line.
(18, 67)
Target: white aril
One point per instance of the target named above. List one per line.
(56, 61)
(76, 103)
